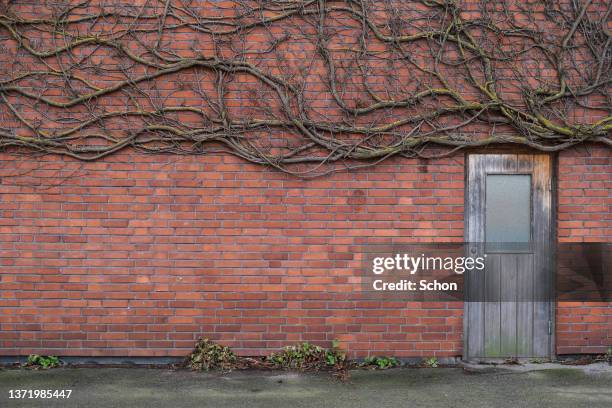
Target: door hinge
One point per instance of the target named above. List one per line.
(549, 327)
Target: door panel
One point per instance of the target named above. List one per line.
(508, 310)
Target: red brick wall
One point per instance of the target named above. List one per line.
(584, 215)
(141, 255)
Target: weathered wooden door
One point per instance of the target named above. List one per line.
(508, 312)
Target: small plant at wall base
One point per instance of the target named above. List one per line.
(208, 355)
(306, 356)
(335, 356)
(37, 361)
(431, 362)
(380, 362)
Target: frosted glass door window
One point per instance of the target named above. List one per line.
(508, 208)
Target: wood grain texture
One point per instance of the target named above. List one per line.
(508, 308)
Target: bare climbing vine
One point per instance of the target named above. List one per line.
(306, 86)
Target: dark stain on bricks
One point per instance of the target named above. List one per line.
(422, 166)
(358, 198)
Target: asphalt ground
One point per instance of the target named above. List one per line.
(539, 386)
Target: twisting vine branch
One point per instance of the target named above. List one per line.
(306, 86)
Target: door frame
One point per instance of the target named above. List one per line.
(552, 232)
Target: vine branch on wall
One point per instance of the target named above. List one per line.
(305, 86)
